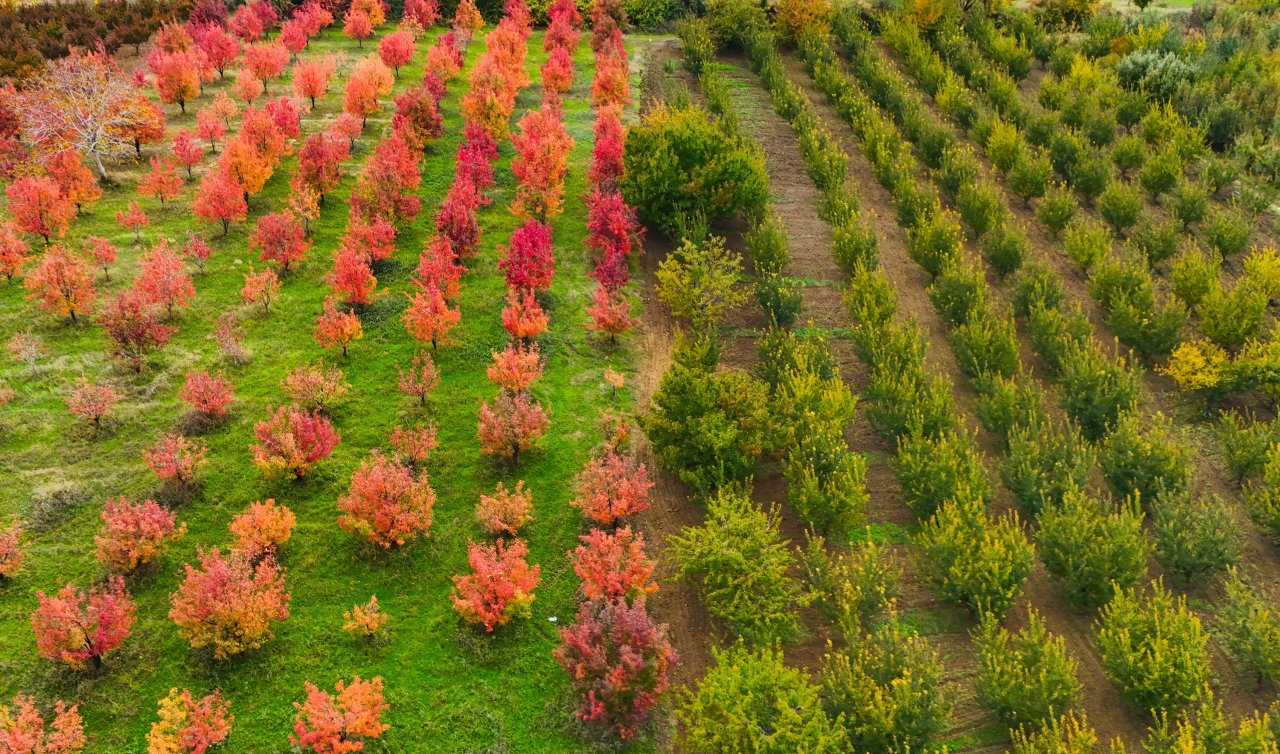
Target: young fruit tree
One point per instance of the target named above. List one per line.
(133, 535)
(79, 628)
(292, 440)
(387, 503)
(262, 529)
(229, 604)
(342, 721)
(499, 587)
(188, 725)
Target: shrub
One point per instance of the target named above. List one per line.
(855, 243)
(1057, 208)
(1120, 205)
(505, 510)
(958, 292)
(499, 587)
(386, 503)
(741, 566)
(935, 469)
(825, 480)
(852, 587)
(1161, 173)
(1096, 389)
(1090, 176)
(367, 620)
(1190, 203)
(1246, 443)
(699, 282)
(974, 561)
(1005, 146)
(1194, 535)
(693, 395)
(341, 721)
(188, 725)
(292, 440)
(1027, 676)
(134, 535)
(936, 242)
(1067, 734)
(1262, 496)
(980, 207)
(1093, 546)
(1009, 404)
(610, 488)
(1157, 242)
(1057, 335)
(78, 627)
(1005, 246)
(1043, 462)
(1232, 318)
(986, 346)
(1087, 242)
(750, 701)
(1250, 627)
(27, 733)
(1150, 461)
(1193, 274)
(681, 166)
(262, 529)
(1154, 648)
(1037, 285)
(1128, 153)
(229, 604)
(887, 690)
(1227, 231)
(1030, 177)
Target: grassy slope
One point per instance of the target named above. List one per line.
(450, 689)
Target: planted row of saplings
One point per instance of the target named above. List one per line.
(1230, 320)
(1112, 537)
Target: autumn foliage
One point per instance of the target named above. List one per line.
(188, 725)
(11, 553)
(499, 587)
(292, 440)
(175, 457)
(61, 284)
(133, 535)
(262, 529)
(279, 238)
(337, 328)
(79, 628)
(506, 510)
(92, 402)
(39, 207)
(613, 565)
(610, 488)
(133, 325)
(229, 604)
(207, 393)
(341, 722)
(387, 503)
(24, 731)
(511, 424)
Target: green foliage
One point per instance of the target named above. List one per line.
(1156, 241)
(1154, 648)
(1262, 497)
(1087, 242)
(750, 702)
(825, 480)
(980, 207)
(1128, 153)
(699, 282)
(767, 245)
(1250, 627)
(1232, 318)
(959, 292)
(974, 561)
(936, 242)
(887, 689)
(683, 169)
(1227, 231)
(1096, 389)
(853, 586)
(935, 469)
(1037, 285)
(708, 426)
(871, 298)
(730, 21)
(855, 243)
(1067, 734)
(1193, 274)
(1149, 461)
(741, 567)
(779, 298)
(1195, 535)
(699, 48)
(1005, 246)
(1027, 676)
(1120, 205)
(1246, 443)
(1006, 404)
(1161, 173)
(1029, 177)
(1056, 335)
(1043, 462)
(1093, 546)
(1005, 146)
(986, 345)
(1190, 203)
(1057, 208)
(1090, 176)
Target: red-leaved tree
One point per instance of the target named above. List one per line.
(542, 153)
(260, 288)
(516, 367)
(163, 279)
(39, 207)
(420, 378)
(292, 440)
(611, 488)
(206, 393)
(610, 312)
(133, 535)
(429, 317)
(133, 325)
(336, 328)
(61, 284)
(523, 317)
(613, 565)
(229, 604)
(352, 278)
(311, 77)
(176, 458)
(456, 218)
(529, 263)
(220, 199)
(11, 553)
(510, 425)
(13, 252)
(279, 238)
(341, 722)
(187, 151)
(396, 49)
(262, 529)
(188, 725)
(23, 730)
(506, 510)
(617, 659)
(387, 503)
(499, 587)
(79, 628)
(91, 402)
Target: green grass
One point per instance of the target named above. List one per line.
(450, 688)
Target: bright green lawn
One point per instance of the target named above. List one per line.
(450, 688)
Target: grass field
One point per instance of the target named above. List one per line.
(450, 688)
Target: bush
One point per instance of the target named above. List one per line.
(750, 701)
(980, 207)
(936, 242)
(1157, 242)
(1030, 177)
(1262, 497)
(1190, 203)
(1227, 231)
(1087, 242)
(976, 562)
(1194, 536)
(1005, 246)
(741, 566)
(1055, 334)
(1120, 206)
(699, 47)
(699, 282)
(1161, 173)
(1096, 389)
(1090, 176)
(1009, 404)
(1005, 146)
(1246, 443)
(871, 299)
(1152, 462)
(1250, 627)
(1057, 208)
(852, 587)
(779, 298)
(933, 470)
(1154, 648)
(986, 345)
(855, 244)
(959, 292)
(1128, 153)
(1025, 677)
(903, 403)
(888, 692)
(767, 246)
(1093, 546)
(1044, 462)
(825, 480)
(1037, 285)
(1193, 275)
(1064, 735)
(682, 167)
(1232, 318)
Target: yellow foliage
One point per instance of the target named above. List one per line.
(1262, 269)
(1196, 365)
(795, 16)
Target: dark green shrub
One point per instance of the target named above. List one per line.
(1156, 241)
(1006, 404)
(1044, 461)
(958, 169)
(767, 246)
(741, 566)
(1190, 203)
(1037, 285)
(1245, 443)
(780, 299)
(1096, 389)
(1120, 206)
(1227, 231)
(1250, 627)
(1161, 173)
(1055, 334)
(1232, 318)
(1029, 177)
(959, 292)
(1087, 242)
(1005, 247)
(1128, 154)
(1057, 208)
(936, 242)
(1090, 176)
(1027, 676)
(1151, 461)
(980, 207)
(852, 587)
(1195, 535)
